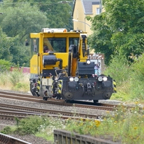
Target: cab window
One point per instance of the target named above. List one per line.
(73, 41)
(34, 46)
(56, 44)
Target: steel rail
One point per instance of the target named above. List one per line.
(53, 101)
(6, 139)
(33, 111)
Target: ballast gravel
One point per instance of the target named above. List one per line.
(36, 140)
(4, 123)
(72, 109)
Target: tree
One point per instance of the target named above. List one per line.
(21, 17)
(100, 39)
(22, 20)
(12, 50)
(58, 12)
(119, 30)
(5, 44)
(20, 53)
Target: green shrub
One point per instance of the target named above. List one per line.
(31, 125)
(4, 65)
(7, 130)
(41, 126)
(119, 69)
(137, 79)
(129, 78)
(3, 78)
(15, 77)
(21, 86)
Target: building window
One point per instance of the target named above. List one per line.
(97, 11)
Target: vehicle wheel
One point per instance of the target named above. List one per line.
(95, 101)
(37, 94)
(45, 98)
(67, 101)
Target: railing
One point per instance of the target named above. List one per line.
(5, 139)
(65, 137)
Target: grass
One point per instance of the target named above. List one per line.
(15, 80)
(122, 92)
(124, 125)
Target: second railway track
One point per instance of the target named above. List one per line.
(27, 97)
(6, 109)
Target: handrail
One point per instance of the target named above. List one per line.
(66, 137)
(6, 139)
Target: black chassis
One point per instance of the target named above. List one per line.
(86, 89)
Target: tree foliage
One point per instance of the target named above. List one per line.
(11, 49)
(22, 20)
(22, 17)
(58, 12)
(5, 45)
(5, 65)
(119, 30)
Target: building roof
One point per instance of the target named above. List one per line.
(87, 5)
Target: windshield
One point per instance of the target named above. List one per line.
(55, 44)
(74, 41)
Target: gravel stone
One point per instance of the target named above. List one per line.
(72, 109)
(114, 102)
(4, 123)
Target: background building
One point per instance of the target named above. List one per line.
(83, 8)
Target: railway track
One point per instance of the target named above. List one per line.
(8, 111)
(12, 111)
(5, 139)
(27, 97)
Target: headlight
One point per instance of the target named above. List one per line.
(88, 62)
(104, 78)
(100, 78)
(76, 79)
(71, 79)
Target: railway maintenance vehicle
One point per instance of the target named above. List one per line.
(60, 67)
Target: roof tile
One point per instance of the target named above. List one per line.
(87, 4)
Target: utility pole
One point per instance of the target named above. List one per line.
(100, 6)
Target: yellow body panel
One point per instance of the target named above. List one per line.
(34, 65)
(64, 57)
